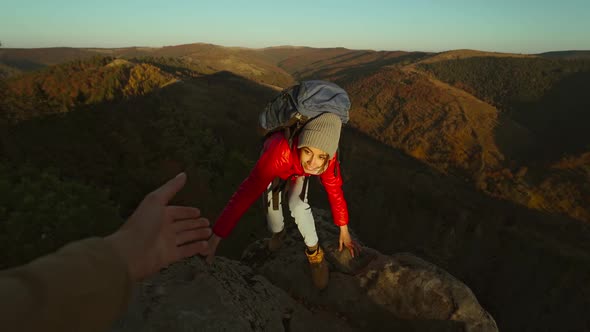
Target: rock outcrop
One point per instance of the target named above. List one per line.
(373, 291)
(273, 292)
(226, 296)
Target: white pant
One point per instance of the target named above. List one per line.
(300, 210)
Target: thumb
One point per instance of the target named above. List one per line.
(210, 258)
(170, 188)
(340, 247)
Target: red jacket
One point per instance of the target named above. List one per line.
(278, 159)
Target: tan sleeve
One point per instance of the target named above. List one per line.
(84, 286)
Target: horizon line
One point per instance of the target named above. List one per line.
(284, 46)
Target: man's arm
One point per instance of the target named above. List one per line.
(85, 285)
(82, 287)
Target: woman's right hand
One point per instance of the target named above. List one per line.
(213, 243)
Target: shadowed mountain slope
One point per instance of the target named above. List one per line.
(338, 64)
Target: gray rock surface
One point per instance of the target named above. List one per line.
(226, 296)
(273, 292)
(375, 291)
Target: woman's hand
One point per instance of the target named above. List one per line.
(346, 241)
(213, 243)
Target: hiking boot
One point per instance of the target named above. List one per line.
(276, 241)
(318, 266)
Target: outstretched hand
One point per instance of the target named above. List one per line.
(346, 241)
(213, 243)
(157, 235)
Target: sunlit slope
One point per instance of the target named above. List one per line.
(436, 123)
(547, 96)
(466, 53)
(241, 61)
(205, 58)
(59, 89)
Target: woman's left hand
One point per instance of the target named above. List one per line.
(346, 241)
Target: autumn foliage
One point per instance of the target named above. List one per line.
(59, 89)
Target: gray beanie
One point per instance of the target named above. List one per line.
(322, 132)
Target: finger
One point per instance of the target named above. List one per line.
(170, 188)
(351, 249)
(340, 247)
(210, 258)
(199, 234)
(183, 212)
(193, 248)
(354, 248)
(183, 225)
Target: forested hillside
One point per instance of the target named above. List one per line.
(60, 88)
(102, 133)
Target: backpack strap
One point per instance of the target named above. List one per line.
(304, 189)
(278, 187)
(294, 126)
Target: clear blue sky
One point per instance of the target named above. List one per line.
(524, 26)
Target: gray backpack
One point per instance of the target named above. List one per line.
(300, 103)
